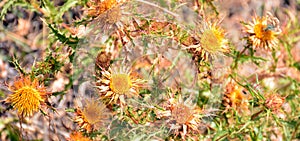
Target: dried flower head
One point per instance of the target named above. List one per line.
(263, 31)
(92, 116)
(237, 98)
(77, 136)
(27, 96)
(114, 84)
(105, 12)
(212, 41)
(274, 102)
(103, 60)
(184, 116)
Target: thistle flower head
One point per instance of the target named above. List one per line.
(27, 96)
(212, 41)
(114, 84)
(103, 60)
(184, 116)
(93, 115)
(274, 102)
(263, 31)
(237, 98)
(105, 14)
(181, 113)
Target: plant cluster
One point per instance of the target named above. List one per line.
(147, 70)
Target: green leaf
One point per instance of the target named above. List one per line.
(49, 7)
(297, 65)
(71, 41)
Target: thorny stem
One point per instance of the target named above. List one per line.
(242, 52)
(213, 7)
(17, 65)
(222, 137)
(239, 55)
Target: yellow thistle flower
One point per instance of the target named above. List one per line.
(77, 136)
(187, 116)
(237, 98)
(92, 116)
(212, 41)
(98, 7)
(263, 31)
(114, 85)
(27, 96)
